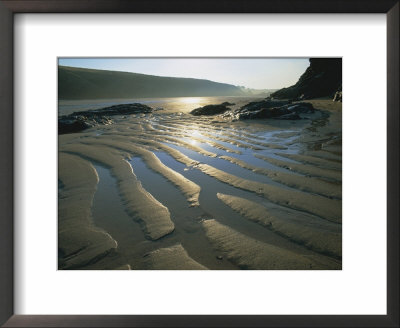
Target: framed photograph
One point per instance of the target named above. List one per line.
(213, 164)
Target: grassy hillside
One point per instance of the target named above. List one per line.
(82, 83)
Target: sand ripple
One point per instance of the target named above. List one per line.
(250, 195)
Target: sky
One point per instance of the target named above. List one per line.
(254, 73)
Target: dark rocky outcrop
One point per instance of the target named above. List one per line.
(72, 124)
(79, 121)
(263, 104)
(212, 109)
(123, 109)
(285, 112)
(272, 109)
(321, 79)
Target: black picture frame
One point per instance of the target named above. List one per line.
(10, 7)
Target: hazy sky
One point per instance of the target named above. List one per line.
(258, 73)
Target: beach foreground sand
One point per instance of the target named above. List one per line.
(168, 190)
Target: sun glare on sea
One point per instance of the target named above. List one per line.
(187, 100)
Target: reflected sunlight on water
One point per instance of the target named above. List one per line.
(188, 100)
(195, 133)
(176, 104)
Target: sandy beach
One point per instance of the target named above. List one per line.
(169, 190)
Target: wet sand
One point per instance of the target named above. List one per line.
(169, 190)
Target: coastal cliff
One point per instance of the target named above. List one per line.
(82, 83)
(323, 78)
